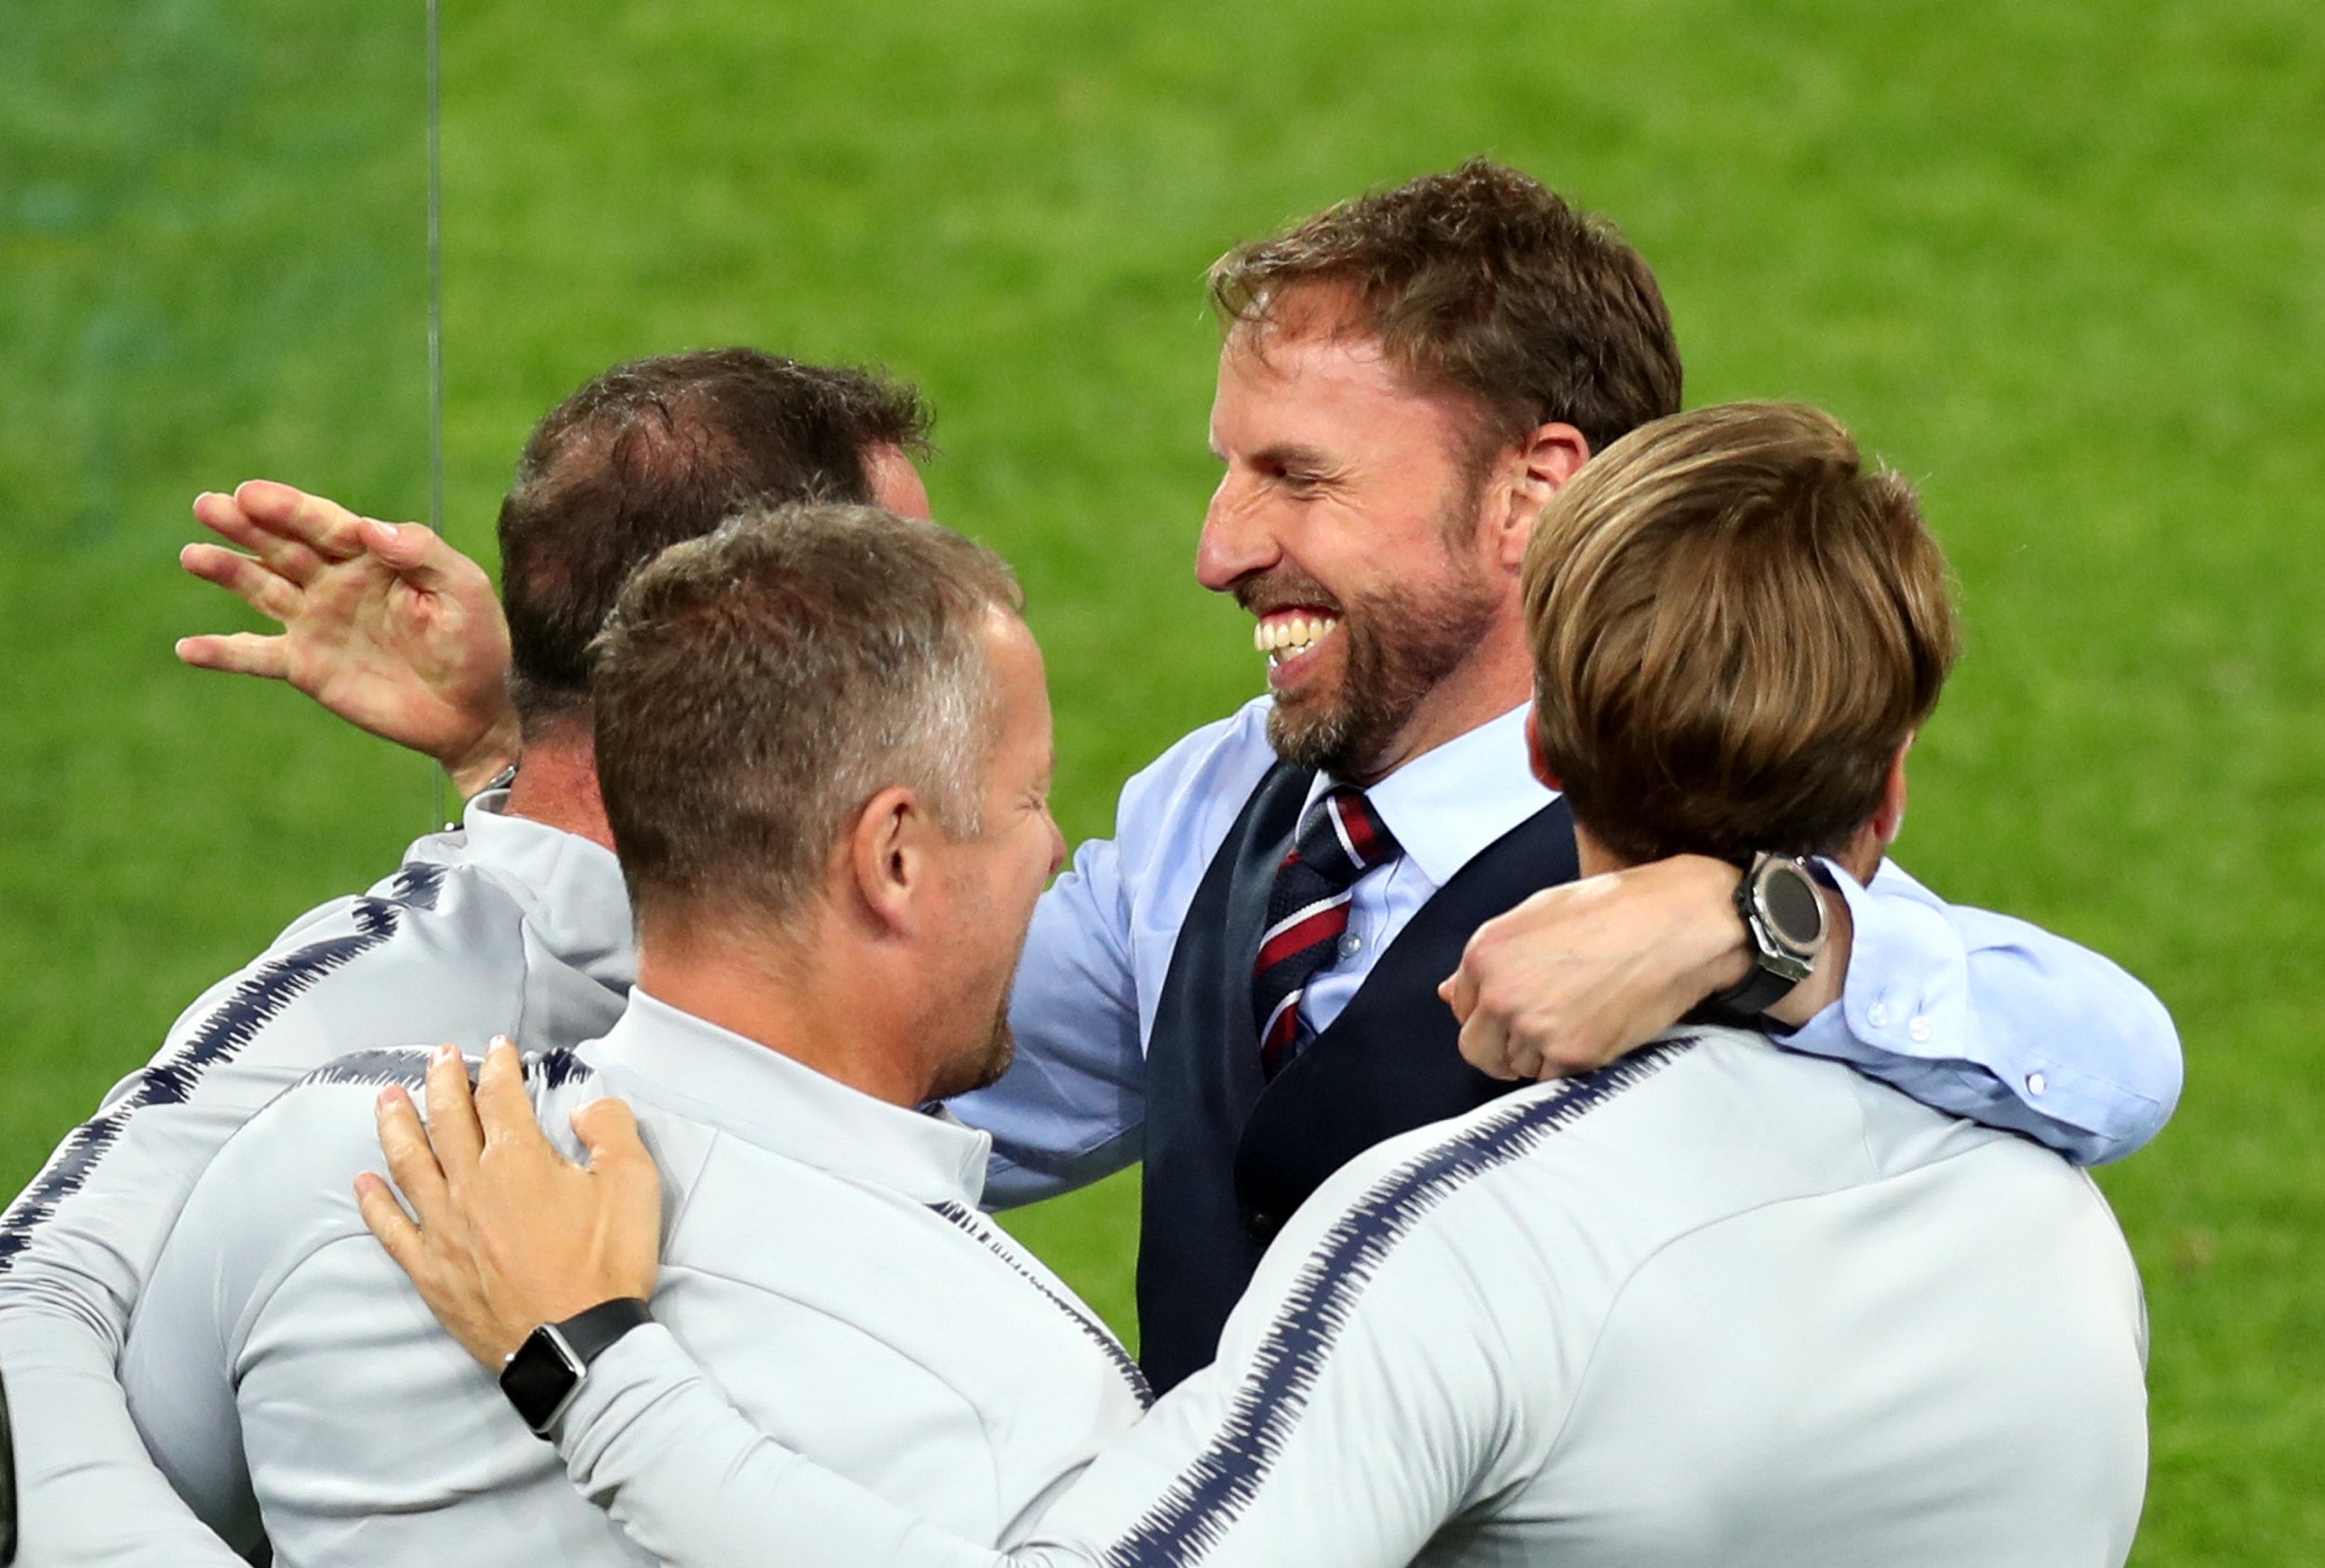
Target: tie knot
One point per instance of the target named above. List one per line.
(1343, 837)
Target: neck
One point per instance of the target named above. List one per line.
(1497, 680)
(557, 784)
(788, 991)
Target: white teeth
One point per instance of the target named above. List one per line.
(1290, 635)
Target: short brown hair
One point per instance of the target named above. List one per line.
(1734, 626)
(755, 687)
(660, 450)
(1483, 281)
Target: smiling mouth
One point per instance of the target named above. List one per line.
(1284, 636)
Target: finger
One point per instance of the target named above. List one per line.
(251, 581)
(291, 514)
(410, 1159)
(225, 517)
(421, 558)
(239, 652)
(1484, 1046)
(1579, 1057)
(452, 1114)
(386, 1219)
(502, 1101)
(630, 1189)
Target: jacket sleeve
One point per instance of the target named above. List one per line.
(75, 1250)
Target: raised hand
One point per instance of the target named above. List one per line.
(505, 1233)
(383, 623)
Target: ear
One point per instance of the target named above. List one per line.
(887, 860)
(1534, 754)
(1862, 858)
(1889, 817)
(1532, 471)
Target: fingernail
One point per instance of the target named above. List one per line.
(445, 1052)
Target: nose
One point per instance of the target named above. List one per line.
(1236, 538)
(1056, 847)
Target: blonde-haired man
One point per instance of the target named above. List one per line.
(1720, 1303)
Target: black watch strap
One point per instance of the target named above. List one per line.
(542, 1376)
(589, 1335)
(1761, 989)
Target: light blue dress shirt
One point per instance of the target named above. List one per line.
(1970, 1012)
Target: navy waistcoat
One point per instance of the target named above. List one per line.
(1227, 1156)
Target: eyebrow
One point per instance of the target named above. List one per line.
(1292, 454)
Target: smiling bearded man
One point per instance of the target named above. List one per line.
(1343, 703)
(1241, 986)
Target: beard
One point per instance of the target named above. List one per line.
(980, 1067)
(1000, 1050)
(1401, 644)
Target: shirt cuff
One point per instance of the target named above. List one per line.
(1905, 1018)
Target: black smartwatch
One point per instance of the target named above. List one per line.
(545, 1371)
(1784, 920)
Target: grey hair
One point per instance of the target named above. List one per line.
(754, 688)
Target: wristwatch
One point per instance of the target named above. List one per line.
(542, 1374)
(1784, 920)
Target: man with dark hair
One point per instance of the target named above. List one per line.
(643, 455)
(1241, 986)
(824, 743)
(1720, 1303)
(515, 921)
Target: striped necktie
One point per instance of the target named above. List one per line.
(1307, 910)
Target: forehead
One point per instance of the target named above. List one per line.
(1305, 382)
(1020, 680)
(896, 483)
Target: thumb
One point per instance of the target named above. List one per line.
(1459, 990)
(608, 1129)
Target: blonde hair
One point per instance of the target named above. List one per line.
(1734, 628)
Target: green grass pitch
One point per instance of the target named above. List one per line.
(2063, 262)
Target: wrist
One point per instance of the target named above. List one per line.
(544, 1372)
(1720, 947)
(491, 754)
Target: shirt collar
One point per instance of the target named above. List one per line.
(685, 1064)
(1446, 805)
(569, 887)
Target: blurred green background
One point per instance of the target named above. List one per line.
(2063, 263)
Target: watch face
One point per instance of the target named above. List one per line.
(538, 1377)
(1788, 901)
